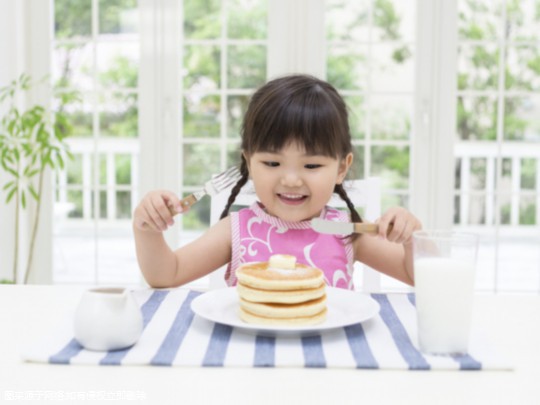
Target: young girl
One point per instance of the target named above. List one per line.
(296, 149)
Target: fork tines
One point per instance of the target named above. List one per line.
(226, 178)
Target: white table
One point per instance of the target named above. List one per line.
(511, 321)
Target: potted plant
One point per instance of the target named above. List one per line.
(31, 140)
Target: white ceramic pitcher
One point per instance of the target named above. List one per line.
(107, 319)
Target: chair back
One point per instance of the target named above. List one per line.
(366, 197)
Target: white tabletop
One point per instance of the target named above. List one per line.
(512, 323)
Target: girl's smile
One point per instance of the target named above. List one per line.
(293, 199)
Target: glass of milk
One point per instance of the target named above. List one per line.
(444, 274)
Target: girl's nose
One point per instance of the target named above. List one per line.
(291, 179)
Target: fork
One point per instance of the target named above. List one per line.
(215, 185)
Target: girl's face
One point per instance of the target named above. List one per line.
(293, 185)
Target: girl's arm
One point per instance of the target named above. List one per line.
(160, 265)
(392, 253)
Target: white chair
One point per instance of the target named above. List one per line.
(366, 197)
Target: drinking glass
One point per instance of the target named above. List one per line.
(444, 274)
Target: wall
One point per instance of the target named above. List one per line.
(25, 40)
(11, 62)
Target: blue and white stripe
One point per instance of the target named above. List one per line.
(174, 336)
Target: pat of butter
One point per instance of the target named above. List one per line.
(287, 262)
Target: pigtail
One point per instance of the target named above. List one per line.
(236, 189)
(355, 216)
(339, 190)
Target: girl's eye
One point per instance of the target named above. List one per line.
(313, 166)
(271, 164)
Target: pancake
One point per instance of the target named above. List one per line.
(304, 320)
(263, 277)
(281, 292)
(277, 296)
(272, 310)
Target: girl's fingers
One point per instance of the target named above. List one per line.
(403, 225)
(156, 210)
(398, 227)
(158, 215)
(144, 219)
(384, 226)
(173, 202)
(407, 233)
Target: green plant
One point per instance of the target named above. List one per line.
(30, 141)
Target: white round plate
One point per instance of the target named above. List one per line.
(345, 308)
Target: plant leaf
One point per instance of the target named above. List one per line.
(10, 195)
(33, 192)
(33, 173)
(8, 185)
(13, 172)
(60, 161)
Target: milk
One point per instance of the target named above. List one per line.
(444, 295)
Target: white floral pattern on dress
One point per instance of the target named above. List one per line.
(257, 235)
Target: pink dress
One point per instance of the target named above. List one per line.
(256, 236)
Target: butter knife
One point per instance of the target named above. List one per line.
(344, 228)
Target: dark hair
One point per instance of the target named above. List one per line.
(301, 109)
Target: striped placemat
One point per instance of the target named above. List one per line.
(174, 336)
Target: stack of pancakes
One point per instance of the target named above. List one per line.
(281, 292)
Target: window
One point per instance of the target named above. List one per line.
(224, 52)
(95, 65)
(497, 152)
(370, 57)
(160, 104)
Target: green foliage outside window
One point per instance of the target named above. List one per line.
(490, 70)
(361, 52)
(478, 69)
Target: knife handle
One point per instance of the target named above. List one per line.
(366, 227)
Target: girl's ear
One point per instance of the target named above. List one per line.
(344, 166)
(246, 160)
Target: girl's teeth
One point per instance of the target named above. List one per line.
(292, 197)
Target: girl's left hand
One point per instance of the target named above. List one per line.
(403, 225)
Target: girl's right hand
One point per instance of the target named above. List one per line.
(154, 211)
